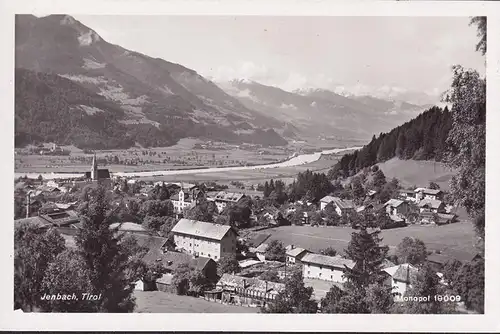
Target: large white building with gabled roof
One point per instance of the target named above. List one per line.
(204, 239)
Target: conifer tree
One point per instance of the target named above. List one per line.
(105, 257)
(367, 253)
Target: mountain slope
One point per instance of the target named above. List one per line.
(148, 91)
(321, 111)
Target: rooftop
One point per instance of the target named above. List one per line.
(202, 229)
(256, 284)
(328, 261)
(228, 196)
(295, 251)
(128, 226)
(432, 203)
(394, 202)
(403, 273)
(341, 203)
(428, 191)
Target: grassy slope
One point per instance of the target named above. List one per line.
(454, 240)
(420, 173)
(163, 302)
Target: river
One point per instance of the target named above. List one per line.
(295, 161)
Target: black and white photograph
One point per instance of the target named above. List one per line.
(256, 164)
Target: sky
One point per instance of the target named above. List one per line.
(355, 54)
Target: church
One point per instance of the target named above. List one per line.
(97, 174)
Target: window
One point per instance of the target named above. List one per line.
(331, 277)
(215, 257)
(308, 272)
(223, 249)
(209, 255)
(190, 244)
(319, 274)
(201, 253)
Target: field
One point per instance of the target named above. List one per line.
(187, 153)
(455, 239)
(420, 173)
(163, 302)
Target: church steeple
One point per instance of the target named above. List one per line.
(93, 171)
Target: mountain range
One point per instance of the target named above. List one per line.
(73, 87)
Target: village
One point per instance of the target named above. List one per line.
(223, 235)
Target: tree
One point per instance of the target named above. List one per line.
(275, 251)
(427, 284)
(228, 265)
(295, 298)
(67, 275)
(154, 223)
(450, 272)
(180, 279)
(329, 251)
(411, 250)
(365, 250)
(156, 208)
(201, 212)
(481, 23)
(469, 284)
(315, 218)
(467, 140)
(105, 258)
(358, 192)
(34, 250)
(379, 179)
(330, 303)
(379, 298)
(160, 193)
(434, 185)
(270, 276)
(332, 217)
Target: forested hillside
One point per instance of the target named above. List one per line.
(49, 108)
(422, 138)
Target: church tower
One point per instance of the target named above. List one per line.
(93, 171)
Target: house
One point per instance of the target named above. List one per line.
(425, 193)
(408, 195)
(224, 198)
(395, 207)
(61, 218)
(342, 207)
(323, 267)
(239, 290)
(401, 277)
(185, 200)
(204, 239)
(272, 215)
(438, 261)
(370, 194)
(295, 254)
(260, 252)
(431, 205)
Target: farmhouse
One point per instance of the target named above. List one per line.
(185, 200)
(295, 254)
(244, 291)
(328, 268)
(401, 277)
(432, 194)
(395, 207)
(431, 205)
(342, 207)
(204, 239)
(223, 198)
(408, 195)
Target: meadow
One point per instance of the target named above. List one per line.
(164, 302)
(456, 239)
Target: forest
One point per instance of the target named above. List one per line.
(422, 138)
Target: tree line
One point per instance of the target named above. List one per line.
(422, 138)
